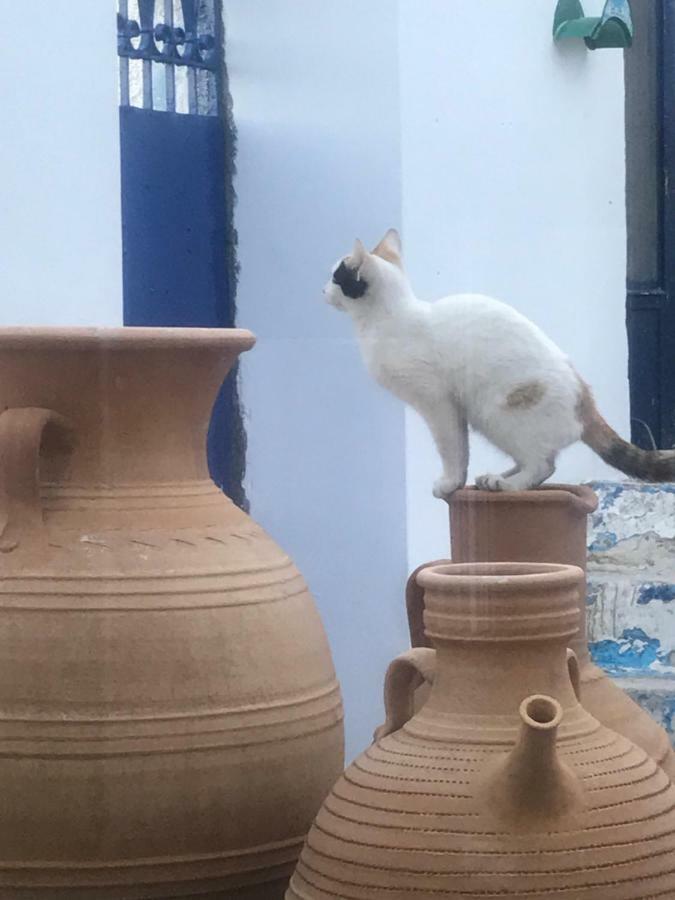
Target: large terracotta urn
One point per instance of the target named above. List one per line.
(169, 716)
(545, 525)
(503, 785)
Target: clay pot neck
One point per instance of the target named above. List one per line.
(501, 633)
(138, 400)
(477, 679)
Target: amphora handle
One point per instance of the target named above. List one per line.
(404, 675)
(574, 672)
(26, 436)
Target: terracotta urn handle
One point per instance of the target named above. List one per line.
(575, 672)
(404, 675)
(26, 435)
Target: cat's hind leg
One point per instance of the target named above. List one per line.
(532, 436)
(530, 474)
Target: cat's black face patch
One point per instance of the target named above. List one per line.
(349, 284)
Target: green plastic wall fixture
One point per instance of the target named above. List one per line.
(614, 28)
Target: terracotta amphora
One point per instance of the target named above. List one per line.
(169, 716)
(502, 785)
(545, 525)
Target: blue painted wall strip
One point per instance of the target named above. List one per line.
(178, 247)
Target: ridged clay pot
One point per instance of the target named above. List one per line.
(545, 525)
(502, 785)
(169, 716)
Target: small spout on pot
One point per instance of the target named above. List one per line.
(533, 783)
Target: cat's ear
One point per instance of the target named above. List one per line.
(359, 254)
(390, 248)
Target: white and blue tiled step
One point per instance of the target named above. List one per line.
(631, 592)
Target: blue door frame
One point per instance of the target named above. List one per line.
(650, 195)
(176, 173)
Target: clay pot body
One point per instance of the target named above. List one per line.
(169, 716)
(472, 798)
(546, 525)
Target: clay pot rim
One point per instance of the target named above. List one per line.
(498, 577)
(128, 337)
(582, 497)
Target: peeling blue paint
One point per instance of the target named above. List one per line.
(610, 490)
(634, 649)
(657, 488)
(631, 591)
(604, 540)
(607, 492)
(662, 592)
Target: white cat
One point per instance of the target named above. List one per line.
(469, 360)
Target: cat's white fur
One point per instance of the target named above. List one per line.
(465, 360)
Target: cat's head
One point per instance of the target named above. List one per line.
(363, 278)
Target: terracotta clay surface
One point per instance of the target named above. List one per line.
(502, 785)
(169, 716)
(546, 525)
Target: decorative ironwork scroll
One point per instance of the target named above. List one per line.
(175, 34)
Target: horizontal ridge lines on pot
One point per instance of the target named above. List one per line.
(56, 496)
(382, 760)
(642, 760)
(385, 758)
(472, 733)
(606, 772)
(446, 832)
(633, 781)
(626, 750)
(397, 739)
(86, 578)
(485, 873)
(667, 785)
(324, 706)
(195, 487)
(356, 765)
(299, 700)
(465, 626)
(376, 789)
(116, 600)
(464, 893)
(140, 871)
(417, 814)
(240, 737)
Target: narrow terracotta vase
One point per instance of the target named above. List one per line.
(502, 785)
(546, 525)
(169, 716)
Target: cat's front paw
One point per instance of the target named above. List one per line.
(444, 487)
(492, 483)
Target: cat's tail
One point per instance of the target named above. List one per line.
(645, 465)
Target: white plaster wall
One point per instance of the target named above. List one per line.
(316, 106)
(513, 185)
(60, 232)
